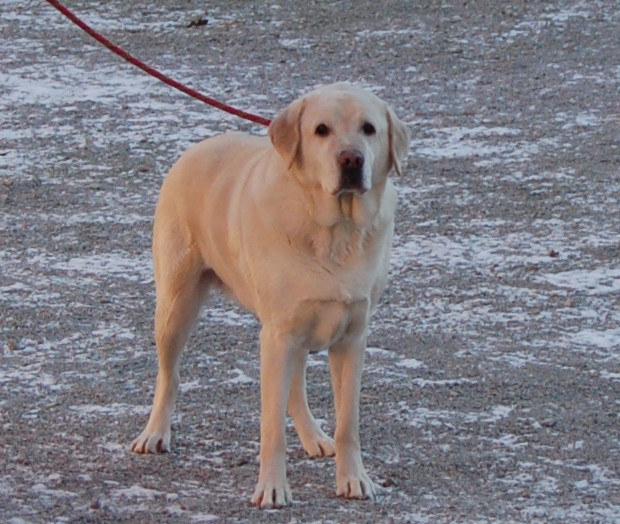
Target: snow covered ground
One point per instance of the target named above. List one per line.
(492, 386)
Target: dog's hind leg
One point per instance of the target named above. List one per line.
(182, 283)
(313, 438)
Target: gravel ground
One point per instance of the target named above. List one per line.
(492, 386)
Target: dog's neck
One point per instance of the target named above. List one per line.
(334, 228)
(338, 243)
(339, 225)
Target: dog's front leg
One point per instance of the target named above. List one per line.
(346, 361)
(276, 369)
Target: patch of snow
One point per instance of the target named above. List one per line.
(137, 491)
(229, 316)
(411, 363)
(423, 382)
(137, 269)
(384, 33)
(110, 409)
(605, 339)
(42, 489)
(597, 281)
(379, 352)
(296, 43)
(203, 517)
(462, 142)
(479, 252)
(240, 378)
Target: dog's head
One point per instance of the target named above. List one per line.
(340, 138)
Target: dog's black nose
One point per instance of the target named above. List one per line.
(351, 164)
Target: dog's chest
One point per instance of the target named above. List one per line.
(318, 324)
(329, 302)
(319, 303)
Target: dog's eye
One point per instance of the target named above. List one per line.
(322, 130)
(368, 129)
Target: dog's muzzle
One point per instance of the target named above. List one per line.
(351, 163)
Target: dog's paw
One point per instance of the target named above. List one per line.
(319, 445)
(356, 487)
(151, 442)
(272, 494)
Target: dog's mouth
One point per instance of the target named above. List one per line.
(350, 191)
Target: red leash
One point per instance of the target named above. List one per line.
(153, 72)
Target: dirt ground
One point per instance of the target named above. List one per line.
(492, 385)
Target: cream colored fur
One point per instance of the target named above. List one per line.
(267, 220)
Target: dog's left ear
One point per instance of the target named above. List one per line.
(285, 132)
(398, 140)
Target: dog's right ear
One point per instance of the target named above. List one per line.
(285, 132)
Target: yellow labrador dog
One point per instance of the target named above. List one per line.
(297, 227)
